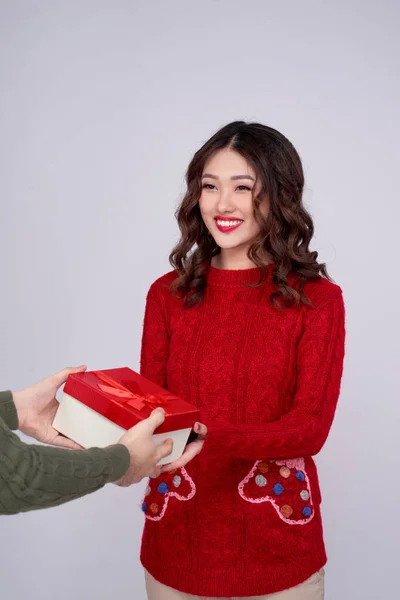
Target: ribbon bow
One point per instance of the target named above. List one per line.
(125, 396)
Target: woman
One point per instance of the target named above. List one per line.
(249, 328)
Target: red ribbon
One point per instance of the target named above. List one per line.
(125, 396)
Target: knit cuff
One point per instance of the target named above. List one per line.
(8, 412)
(120, 460)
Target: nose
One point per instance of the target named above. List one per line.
(225, 202)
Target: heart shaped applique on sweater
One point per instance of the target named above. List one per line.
(175, 484)
(285, 484)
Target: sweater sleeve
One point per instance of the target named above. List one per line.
(8, 412)
(155, 339)
(34, 476)
(303, 430)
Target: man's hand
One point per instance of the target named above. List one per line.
(37, 406)
(191, 450)
(144, 453)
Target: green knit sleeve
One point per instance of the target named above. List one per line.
(34, 476)
(8, 412)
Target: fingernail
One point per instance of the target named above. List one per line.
(197, 427)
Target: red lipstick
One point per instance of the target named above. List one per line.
(227, 224)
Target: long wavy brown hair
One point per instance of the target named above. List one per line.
(285, 233)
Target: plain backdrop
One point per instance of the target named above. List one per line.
(102, 104)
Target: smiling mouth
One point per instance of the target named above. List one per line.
(227, 225)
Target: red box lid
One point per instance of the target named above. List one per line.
(125, 398)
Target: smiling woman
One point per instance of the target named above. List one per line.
(248, 328)
(246, 181)
(226, 206)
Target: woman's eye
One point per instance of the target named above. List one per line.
(240, 188)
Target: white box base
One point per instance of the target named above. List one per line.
(89, 429)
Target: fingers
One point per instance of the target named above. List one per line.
(190, 452)
(155, 473)
(63, 442)
(165, 449)
(132, 476)
(61, 377)
(156, 419)
(201, 430)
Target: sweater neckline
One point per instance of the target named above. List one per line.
(235, 278)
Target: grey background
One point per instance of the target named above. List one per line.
(101, 106)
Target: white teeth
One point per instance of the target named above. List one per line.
(228, 223)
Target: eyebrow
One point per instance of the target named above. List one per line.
(233, 178)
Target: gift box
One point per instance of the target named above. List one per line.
(97, 407)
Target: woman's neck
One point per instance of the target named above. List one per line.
(234, 259)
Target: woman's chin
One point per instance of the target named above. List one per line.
(225, 242)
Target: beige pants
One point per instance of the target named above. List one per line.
(312, 589)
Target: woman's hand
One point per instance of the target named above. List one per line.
(191, 450)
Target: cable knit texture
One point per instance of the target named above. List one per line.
(34, 476)
(8, 411)
(243, 518)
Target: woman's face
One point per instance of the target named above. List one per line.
(226, 201)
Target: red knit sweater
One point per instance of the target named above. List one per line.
(243, 518)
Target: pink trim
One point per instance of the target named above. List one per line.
(176, 495)
(298, 464)
(292, 463)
